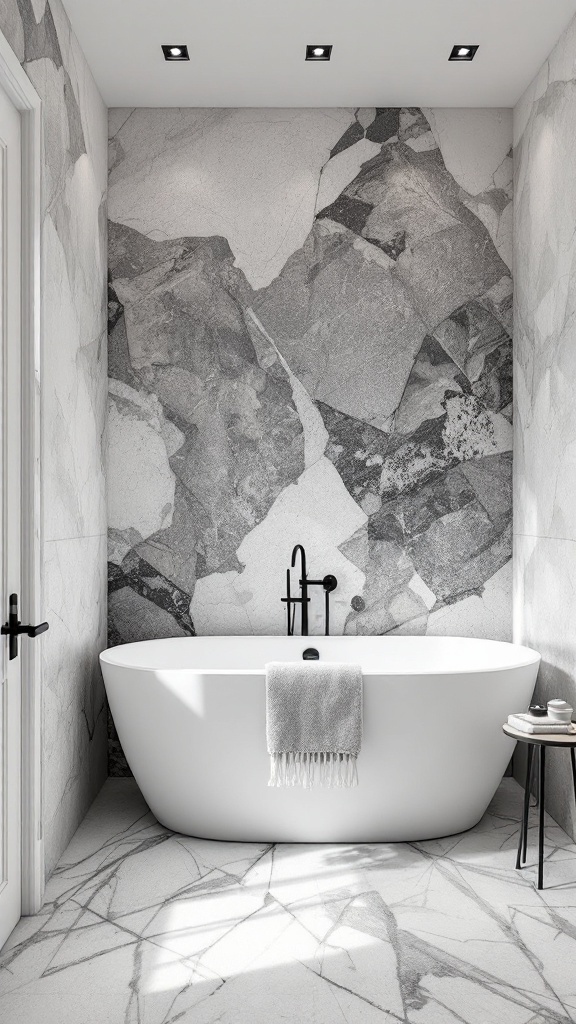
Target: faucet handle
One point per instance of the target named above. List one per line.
(329, 583)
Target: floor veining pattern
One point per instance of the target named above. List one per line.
(142, 926)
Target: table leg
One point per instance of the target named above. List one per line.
(531, 767)
(541, 834)
(523, 838)
(573, 759)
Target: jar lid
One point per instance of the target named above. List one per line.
(559, 705)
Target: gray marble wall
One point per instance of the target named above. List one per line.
(73, 410)
(310, 340)
(310, 319)
(545, 375)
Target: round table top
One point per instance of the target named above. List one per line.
(543, 739)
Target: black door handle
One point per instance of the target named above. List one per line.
(34, 630)
(14, 628)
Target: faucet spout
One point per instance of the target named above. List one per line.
(303, 585)
(296, 549)
(328, 583)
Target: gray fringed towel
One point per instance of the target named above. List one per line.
(313, 723)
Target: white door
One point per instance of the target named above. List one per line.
(10, 494)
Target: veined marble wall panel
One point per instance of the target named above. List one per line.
(545, 373)
(310, 341)
(74, 376)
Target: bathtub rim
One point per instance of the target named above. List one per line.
(112, 656)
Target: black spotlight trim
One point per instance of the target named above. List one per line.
(325, 55)
(182, 55)
(456, 54)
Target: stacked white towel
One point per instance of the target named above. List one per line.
(540, 724)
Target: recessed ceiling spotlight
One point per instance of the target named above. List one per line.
(463, 52)
(318, 52)
(173, 51)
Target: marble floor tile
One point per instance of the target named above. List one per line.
(143, 926)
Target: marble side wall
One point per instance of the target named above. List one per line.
(74, 407)
(545, 372)
(310, 324)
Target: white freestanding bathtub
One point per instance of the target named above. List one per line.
(190, 714)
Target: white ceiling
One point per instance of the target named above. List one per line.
(251, 52)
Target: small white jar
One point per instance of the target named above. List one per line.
(559, 711)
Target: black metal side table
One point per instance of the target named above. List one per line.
(540, 740)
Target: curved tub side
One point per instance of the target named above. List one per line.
(432, 757)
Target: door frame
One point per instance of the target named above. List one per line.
(23, 95)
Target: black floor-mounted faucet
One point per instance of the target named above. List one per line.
(329, 583)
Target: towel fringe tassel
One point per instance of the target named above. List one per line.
(321, 768)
